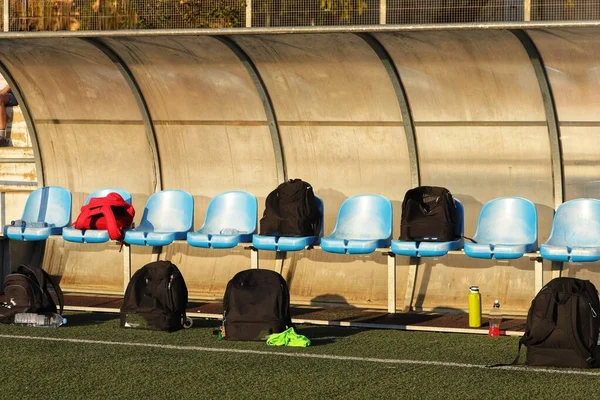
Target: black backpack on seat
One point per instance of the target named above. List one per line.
(291, 210)
(256, 304)
(429, 215)
(562, 325)
(156, 298)
(26, 291)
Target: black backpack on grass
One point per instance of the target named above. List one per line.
(291, 210)
(156, 298)
(256, 304)
(429, 215)
(26, 291)
(562, 325)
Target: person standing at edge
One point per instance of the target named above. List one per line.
(7, 99)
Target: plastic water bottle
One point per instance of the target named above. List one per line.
(50, 320)
(495, 320)
(474, 307)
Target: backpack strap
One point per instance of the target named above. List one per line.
(111, 223)
(57, 290)
(574, 332)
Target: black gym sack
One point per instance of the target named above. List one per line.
(156, 298)
(26, 291)
(256, 304)
(429, 214)
(562, 325)
(291, 210)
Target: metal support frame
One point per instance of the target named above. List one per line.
(126, 265)
(407, 119)
(391, 280)
(538, 272)
(248, 13)
(5, 16)
(141, 102)
(253, 257)
(557, 268)
(551, 115)
(411, 279)
(261, 89)
(382, 12)
(526, 10)
(22, 100)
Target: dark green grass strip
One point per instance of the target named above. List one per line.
(51, 370)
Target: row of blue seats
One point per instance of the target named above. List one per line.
(506, 228)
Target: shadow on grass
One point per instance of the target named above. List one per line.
(80, 319)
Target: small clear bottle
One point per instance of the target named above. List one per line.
(495, 319)
(50, 320)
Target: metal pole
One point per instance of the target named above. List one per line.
(248, 13)
(526, 10)
(5, 23)
(382, 12)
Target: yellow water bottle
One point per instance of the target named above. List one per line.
(474, 307)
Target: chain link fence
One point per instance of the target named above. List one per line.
(565, 10)
(453, 11)
(38, 15)
(270, 13)
(43, 15)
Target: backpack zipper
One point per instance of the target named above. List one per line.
(594, 315)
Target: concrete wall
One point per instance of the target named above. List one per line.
(482, 123)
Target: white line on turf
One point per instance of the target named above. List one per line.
(308, 355)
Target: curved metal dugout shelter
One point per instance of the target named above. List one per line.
(484, 112)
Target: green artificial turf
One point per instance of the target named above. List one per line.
(62, 370)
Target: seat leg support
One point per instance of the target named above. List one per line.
(253, 257)
(410, 282)
(156, 253)
(557, 268)
(126, 265)
(539, 274)
(391, 263)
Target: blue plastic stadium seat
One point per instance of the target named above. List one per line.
(575, 234)
(431, 249)
(47, 211)
(230, 220)
(364, 224)
(71, 234)
(506, 229)
(168, 216)
(288, 243)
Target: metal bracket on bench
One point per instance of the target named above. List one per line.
(410, 282)
(391, 263)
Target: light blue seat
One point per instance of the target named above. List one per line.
(168, 216)
(506, 229)
(288, 243)
(230, 220)
(364, 224)
(71, 234)
(47, 211)
(575, 234)
(431, 249)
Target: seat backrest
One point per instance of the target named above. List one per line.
(365, 216)
(231, 210)
(51, 204)
(168, 211)
(576, 223)
(104, 192)
(507, 220)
